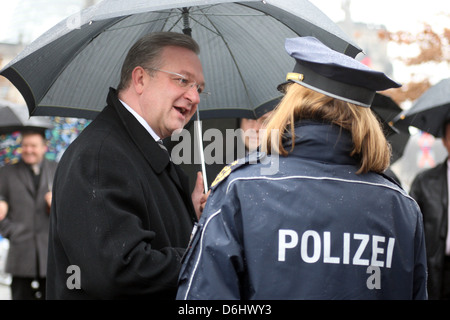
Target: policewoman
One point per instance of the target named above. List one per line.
(327, 224)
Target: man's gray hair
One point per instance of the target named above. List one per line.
(146, 52)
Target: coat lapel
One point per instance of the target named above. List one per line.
(46, 179)
(25, 176)
(157, 158)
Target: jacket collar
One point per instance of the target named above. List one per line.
(45, 181)
(324, 142)
(155, 156)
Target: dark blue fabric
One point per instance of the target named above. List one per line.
(313, 229)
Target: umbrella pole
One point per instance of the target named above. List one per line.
(188, 31)
(201, 151)
(185, 14)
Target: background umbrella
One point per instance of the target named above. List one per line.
(429, 112)
(68, 70)
(15, 117)
(59, 137)
(386, 109)
(9, 121)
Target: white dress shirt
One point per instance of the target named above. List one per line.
(141, 121)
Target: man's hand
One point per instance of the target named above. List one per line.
(198, 197)
(48, 199)
(3, 209)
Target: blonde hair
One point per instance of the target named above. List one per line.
(369, 142)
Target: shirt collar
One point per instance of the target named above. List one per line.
(141, 121)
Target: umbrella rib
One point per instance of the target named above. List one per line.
(204, 26)
(105, 29)
(81, 48)
(232, 56)
(205, 14)
(204, 8)
(232, 15)
(166, 19)
(172, 14)
(142, 23)
(174, 24)
(197, 21)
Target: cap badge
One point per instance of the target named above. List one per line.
(294, 76)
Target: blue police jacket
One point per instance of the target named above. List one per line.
(306, 226)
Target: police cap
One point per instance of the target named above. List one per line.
(334, 74)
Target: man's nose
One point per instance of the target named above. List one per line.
(193, 95)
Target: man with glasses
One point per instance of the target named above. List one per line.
(122, 214)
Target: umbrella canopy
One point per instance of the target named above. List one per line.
(15, 118)
(429, 112)
(68, 70)
(386, 109)
(9, 121)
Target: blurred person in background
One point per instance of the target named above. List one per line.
(25, 199)
(430, 188)
(251, 131)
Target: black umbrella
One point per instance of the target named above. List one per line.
(9, 121)
(15, 118)
(387, 109)
(429, 112)
(68, 70)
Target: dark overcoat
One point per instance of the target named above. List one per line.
(121, 215)
(430, 190)
(27, 222)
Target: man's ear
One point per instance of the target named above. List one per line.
(138, 79)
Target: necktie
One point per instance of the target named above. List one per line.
(36, 169)
(172, 170)
(162, 146)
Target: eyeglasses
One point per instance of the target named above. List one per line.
(184, 82)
